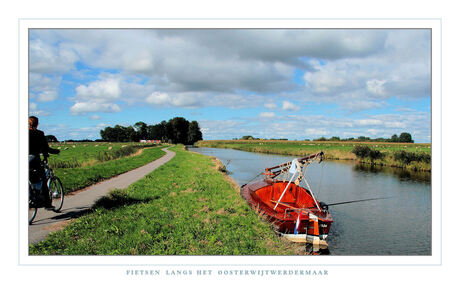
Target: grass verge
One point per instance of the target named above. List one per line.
(185, 207)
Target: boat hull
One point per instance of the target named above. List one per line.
(264, 195)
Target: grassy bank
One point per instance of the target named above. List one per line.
(185, 207)
(79, 177)
(334, 150)
(80, 154)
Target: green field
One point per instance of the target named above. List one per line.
(79, 165)
(333, 150)
(77, 154)
(185, 207)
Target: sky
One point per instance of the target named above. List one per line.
(293, 84)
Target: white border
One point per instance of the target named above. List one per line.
(234, 261)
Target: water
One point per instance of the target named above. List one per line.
(400, 225)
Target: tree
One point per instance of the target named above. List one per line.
(156, 132)
(131, 134)
(194, 133)
(405, 137)
(107, 134)
(394, 138)
(119, 134)
(247, 137)
(176, 130)
(179, 127)
(320, 139)
(141, 130)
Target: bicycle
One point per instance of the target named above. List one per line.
(36, 199)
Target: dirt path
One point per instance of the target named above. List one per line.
(76, 204)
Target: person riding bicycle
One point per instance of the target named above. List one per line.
(39, 145)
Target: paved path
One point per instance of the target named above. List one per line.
(76, 204)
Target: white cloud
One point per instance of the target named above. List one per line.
(33, 110)
(288, 106)
(325, 79)
(47, 96)
(376, 86)
(355, 105)
(314, 126)
(368, 122)
(374, 132)
(270, 105)
(185, 100)
(266, 114)
(97, 96)
(48, 58)
(316, 132)
(64, 131)
(44, 88)
(105, 90)
(86, 107)
(157, 98)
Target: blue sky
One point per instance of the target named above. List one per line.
(294, 84)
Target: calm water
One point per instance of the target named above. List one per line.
(400, 225)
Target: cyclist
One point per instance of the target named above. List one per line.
(39, 145)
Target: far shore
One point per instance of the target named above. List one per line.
(333, 150)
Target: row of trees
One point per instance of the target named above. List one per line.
(176, 130)
(404, 137)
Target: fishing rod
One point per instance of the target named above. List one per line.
(325, 206)
(360, 200)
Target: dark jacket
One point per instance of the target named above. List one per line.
(38, 144)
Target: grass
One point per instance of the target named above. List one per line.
(74, 178)
(185, 207)
(77, 154)
(333, 150)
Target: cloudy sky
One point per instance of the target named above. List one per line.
(267, 83)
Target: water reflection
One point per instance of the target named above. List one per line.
(402, 174)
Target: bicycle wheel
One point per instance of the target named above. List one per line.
(56, 193)
(32, 207)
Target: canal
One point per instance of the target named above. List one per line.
(400, 225)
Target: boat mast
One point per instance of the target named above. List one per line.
(299, 165)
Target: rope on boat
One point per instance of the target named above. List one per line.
(252, 178)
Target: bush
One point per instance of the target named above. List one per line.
(408, 157)
(361, 151)
(366, 152)
(375, 154)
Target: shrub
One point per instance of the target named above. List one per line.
(361, 151)
(408, 157)
(366, 152)
(375, 154)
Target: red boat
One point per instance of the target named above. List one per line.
(293, 209)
